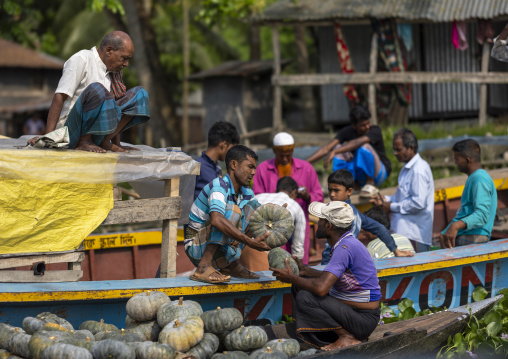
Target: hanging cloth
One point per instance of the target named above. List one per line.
(485, 32)
(346, 64)
(405, 32)
(118, 88)
(459, 35)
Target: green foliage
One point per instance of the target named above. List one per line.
(113, 5)
(286, 319)
(485, 337)
(406, 311)
(216, 11)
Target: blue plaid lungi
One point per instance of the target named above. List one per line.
(97, 113)
(229, 249)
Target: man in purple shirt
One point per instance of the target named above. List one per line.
(338, 306)
(221, 137)
(269, 172)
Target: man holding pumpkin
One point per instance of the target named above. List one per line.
(219, 219)
(338, 306)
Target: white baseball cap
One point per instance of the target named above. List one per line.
(338, 213)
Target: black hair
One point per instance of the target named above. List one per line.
(379, 215)
(239, 153)
(342, 230)
(342, 177)
(286, 184)
(359, 114)
(113, 39)
(408, 138)
(468, 148)
(223, 131)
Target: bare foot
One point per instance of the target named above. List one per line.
(344, 340)
(109, 146)
(214, 276)
(129, 148)
(90, 147)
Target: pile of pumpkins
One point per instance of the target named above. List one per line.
(156, 327)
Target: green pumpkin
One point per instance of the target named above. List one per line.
(84, 338)
(109, 348)
(146, 330)
(18, 344)
(144, 306)
(31, 325)
(66, 351)
(206, 347)
(289, 346)
(148, 350)
(178, 309)
(47, 317)
(310, 351)
(246, 338)
(53, 327)
(274, 218)
(42, 339)
(120, 335)
(6, 332)
(231, 355)
(277, 259)
(267, 353)
(221, 320)
(182, 335)
(96, 327)
(4, 354)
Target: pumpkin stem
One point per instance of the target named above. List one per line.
(88, 339)
(51, 338)
(180, 301)
(101, 321)
(218, 308)
(280, 340)
(268, 350)
(269, 225)
(122, 331)
(177, 323)
(147, 293)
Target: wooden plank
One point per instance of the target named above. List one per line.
(391, 78)
(372, 87)
(241, 122)
(277, 91)
(20, 276)
(144, 210)
(482, 118)
(46, 258)
(169, 233)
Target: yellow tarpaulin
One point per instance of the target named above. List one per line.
(46, 204)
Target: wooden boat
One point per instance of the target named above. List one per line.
(413, 338)
(444, 278)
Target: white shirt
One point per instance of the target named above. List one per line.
(82, 69)
(413, 203)
(296, 211)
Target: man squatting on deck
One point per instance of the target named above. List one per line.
(218, 222)
(338, 306)
(91, 98)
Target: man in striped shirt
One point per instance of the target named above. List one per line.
(219, 218)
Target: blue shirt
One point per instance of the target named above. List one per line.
(412, 204)
(219, 196)
(478, 205)
(351, 263)
(210, 170)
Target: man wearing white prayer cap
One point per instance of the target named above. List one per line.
(269, 172)
(338, 306)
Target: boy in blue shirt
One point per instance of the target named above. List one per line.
(475, 218)
(340, 188)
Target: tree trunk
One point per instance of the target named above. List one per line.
(164, 127)
(302, 63)
(254, 42)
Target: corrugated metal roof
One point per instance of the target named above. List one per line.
(15, 55)
(237, 68)
(411, 10)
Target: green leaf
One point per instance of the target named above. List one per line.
(461, 348)
(457, 339)
(494, 328)
(479, 293)
(492, 316)
(404, 304)
(408, 313)
(390, 320)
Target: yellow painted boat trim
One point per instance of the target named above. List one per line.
(122, 240)
(456, 192)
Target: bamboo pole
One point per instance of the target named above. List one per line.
(277, 91)
(372, 86)
(185, 97)
(169, 233)
(482, 118)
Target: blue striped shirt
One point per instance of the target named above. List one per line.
(214, 197)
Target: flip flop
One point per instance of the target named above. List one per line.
(239, 271)
(205, 277)
(368, 191)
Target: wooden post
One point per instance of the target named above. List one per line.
(372, 87)
(185, 98)
(482, 118)
(277, 91)
(243, 128)
(169, 233)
